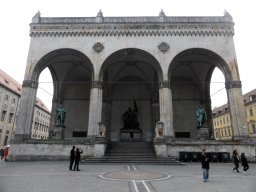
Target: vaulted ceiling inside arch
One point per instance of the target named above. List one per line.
(194, 66)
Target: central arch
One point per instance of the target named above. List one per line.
(130, 79)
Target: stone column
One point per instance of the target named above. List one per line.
(155, 117)
(166, 111)
(95, 108)
(53, 116)
(26, 110)
(106, 118)
(236, 108)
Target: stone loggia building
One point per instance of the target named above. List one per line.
(100, 65)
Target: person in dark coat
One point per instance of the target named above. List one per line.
(131, 136)
(77, 159)
(2, 154)
(205, 165)
(236, 161)
(244, 163)
(72, 157)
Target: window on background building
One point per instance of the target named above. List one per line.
(227, 119)
(245, 113)
(225, 133)
(251, 112)
(253, 128)
(224, 122)
(6, 97)
(13, 100)
(0, 130)
(221, 133)
(220, 122)
(5, 140)
(10, 117)
(7, 132)
(33, 135)
(229, 132)
(3, 115)
(217, 134)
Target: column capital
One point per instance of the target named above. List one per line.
(164, 84)
(233, 84)
(96, 84)
(30, 84)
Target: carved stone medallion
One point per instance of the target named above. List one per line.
(163, 47)
(98, 47)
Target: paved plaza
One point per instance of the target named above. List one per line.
(54, 176)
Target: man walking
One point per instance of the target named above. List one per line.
(205, 165)
(236, 161)
(72, 158)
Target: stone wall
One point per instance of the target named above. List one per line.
(53, 150)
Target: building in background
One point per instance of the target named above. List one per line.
(10, 93)
(221, 118)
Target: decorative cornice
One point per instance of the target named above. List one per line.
(164, 84)
(132, 29)
(30, 84)
(97, 84)
(233, 84)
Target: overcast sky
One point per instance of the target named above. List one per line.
(16, 16)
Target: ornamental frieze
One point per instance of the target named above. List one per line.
(132, 19)
(66, 27)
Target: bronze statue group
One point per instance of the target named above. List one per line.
(75, 155)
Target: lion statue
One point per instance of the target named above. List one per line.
(159, 131)
(102, 129)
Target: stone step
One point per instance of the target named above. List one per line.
(132, 154)
(133, 150)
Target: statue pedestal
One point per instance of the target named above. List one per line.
(59, 132)
(203, 132)
(125, 135)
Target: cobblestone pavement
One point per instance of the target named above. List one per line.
(55, 176)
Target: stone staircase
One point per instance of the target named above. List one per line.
(131, 153)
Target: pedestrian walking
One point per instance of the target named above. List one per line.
(131, 136)
(2, 154)
(244, 163)
(72, 157)
(77, 159)
(205, 165)
(236, 161)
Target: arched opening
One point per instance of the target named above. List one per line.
(130, 79)
(72, 73)
(190, 74)
(220, 107)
